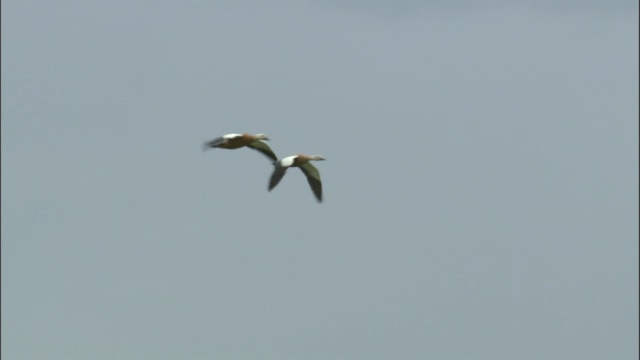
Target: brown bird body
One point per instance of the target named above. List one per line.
(236, 141)
(300, 161)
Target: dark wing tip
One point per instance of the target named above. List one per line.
(213, 143)
(276, 176)
(317, 191)
(313, 178)
(264, 149)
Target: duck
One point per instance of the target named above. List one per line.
(300, 161)
(236, 141)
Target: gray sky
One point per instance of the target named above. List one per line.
(481, 182)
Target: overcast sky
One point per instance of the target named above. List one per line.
(481, 182)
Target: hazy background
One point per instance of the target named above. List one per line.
(481, 182)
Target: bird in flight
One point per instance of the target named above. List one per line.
(235, 141)
(300, 161)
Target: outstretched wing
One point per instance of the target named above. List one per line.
(263, 148)
(277, 175)
(213, 143)
(313, 177)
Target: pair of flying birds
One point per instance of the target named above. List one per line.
(235, 141)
